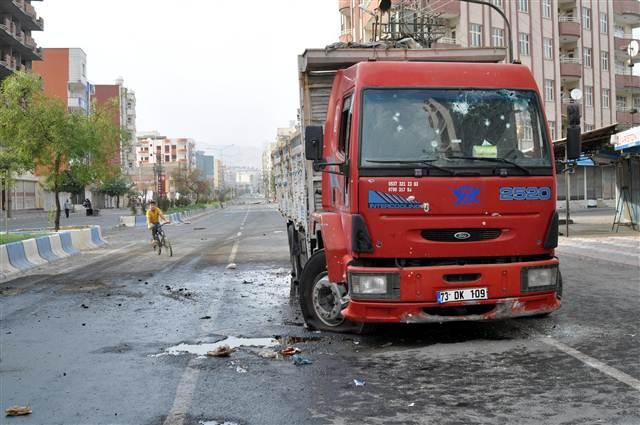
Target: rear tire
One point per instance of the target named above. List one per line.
(320, 299)
(168, 247)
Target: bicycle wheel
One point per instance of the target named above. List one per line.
(160, 243)
(168, 248)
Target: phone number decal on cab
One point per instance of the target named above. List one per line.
(525, 193)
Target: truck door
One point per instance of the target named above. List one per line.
(341, 196)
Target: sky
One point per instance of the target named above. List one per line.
(220, 72)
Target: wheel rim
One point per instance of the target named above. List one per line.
(326, 299)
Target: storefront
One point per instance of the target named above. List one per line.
(627, 145)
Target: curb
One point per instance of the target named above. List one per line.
(141, 220)
(29, 253)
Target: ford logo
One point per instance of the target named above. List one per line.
(462, 235)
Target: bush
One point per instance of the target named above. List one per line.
(182, 202)
(164, 204)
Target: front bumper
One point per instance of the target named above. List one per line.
(417, 302)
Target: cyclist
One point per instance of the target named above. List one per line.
(154, 214)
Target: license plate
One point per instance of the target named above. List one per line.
(468, 294)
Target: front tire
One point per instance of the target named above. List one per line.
(321, 300)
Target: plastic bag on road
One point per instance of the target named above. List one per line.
(298, 360)
(222, 351)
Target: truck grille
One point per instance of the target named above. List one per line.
(460, 235)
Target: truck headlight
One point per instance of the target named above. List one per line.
(539, 278)
(374, 285)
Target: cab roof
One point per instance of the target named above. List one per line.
(440, 74)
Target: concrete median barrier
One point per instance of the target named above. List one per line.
(27, 254)
(177, 218)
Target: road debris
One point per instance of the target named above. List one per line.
(18, 410)
(359, 383)
(269, 354)
(221, 351)
(205, 318)
(84, 306)
(247, 282)
(241, 369)
(232, 266)
(411, 404)
(290, 351)
(298, 360)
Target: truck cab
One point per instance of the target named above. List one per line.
(438, 197)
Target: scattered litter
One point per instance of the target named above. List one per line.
(388, 344)
(18, 410)
(205, 317)
(241, 369)
(217, 423)
(411, 404)
(199, 228)
(167, 287)
(84, 306)
(359, 383)
(290, 351)
(221, 351)
(356, 342)
(269, 354)
(247, 282)
(298, 360)
(232, 266)
(186, 222)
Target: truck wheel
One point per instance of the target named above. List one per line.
(321, 300)
(295, 260)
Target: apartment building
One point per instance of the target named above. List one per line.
(205, 163)
(567, 44)
(64, 75)
(18, 49)
(125, 118)
(18, 20)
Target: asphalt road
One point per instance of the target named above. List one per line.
(98, 339)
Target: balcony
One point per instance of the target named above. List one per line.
(626, 11)
(569, 29)
(621, 42)
(628, 82)
(446, 43)
(19, 41)
(76, 104)
(626, 115)
(570, 68)
(24, 12)
(344, 4)
(448, 9)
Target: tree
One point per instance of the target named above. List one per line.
(116, 185)
(42, 135)
(191, 183)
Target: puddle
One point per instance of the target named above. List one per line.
(232, 342)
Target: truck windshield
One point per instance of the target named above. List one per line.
(453, 128)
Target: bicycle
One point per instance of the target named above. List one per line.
(161, 241)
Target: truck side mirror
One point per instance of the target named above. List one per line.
(313, 140)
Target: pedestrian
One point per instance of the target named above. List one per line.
(67, 207)
(87, 205)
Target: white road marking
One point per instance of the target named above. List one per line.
(596, 364)
(189, 379)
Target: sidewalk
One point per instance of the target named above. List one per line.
(593, 222)
(34, 219)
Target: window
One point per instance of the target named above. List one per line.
(548, 48)
(621, 103)
(345, 125)
(552, 129)
(455, 122)
(523, 6)
(546, 8)
(497, 3)
(586, 56)
(523, 43)
(604, 23)
(166, 148)
(586, 18)
(588, 96)
(604, 57)
(497, 37)
(588, 127)
(548, 90)
(606, 94)
(476, 35)
(636, 102)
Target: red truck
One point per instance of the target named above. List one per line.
(428, 193)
